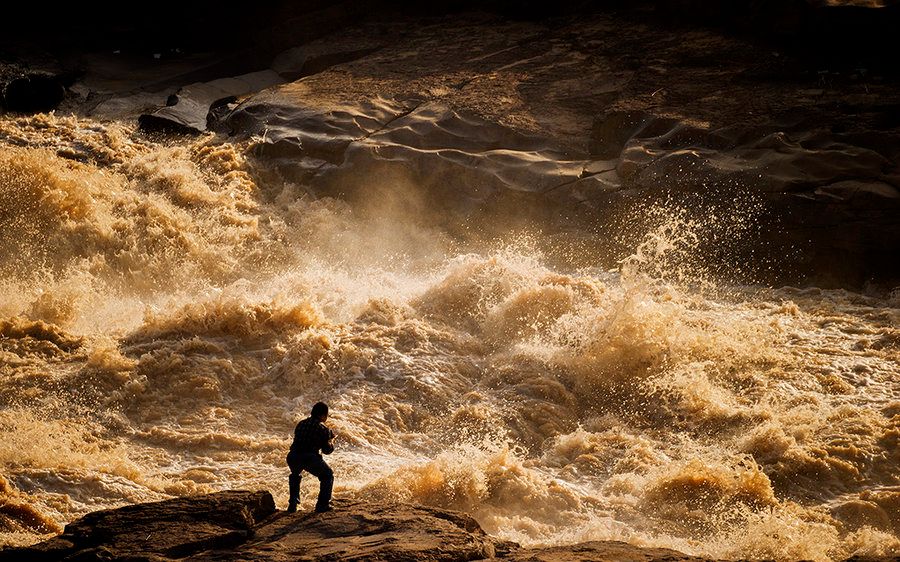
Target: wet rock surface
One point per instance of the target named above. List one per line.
(171, 529)
(239, 525)
(366, 531)
(242, 525)
(191, 106)
(571, 120)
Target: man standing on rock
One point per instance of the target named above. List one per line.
(311, 436)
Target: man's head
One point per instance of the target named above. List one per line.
(320, 411)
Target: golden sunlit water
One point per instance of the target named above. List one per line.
(169, 312)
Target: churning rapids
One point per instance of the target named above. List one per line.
(169, 311)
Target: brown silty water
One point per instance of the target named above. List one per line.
(170, 311)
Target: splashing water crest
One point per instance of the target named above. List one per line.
(169, 312)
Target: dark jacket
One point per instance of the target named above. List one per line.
(311, 436)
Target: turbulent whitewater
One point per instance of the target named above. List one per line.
(169, 311)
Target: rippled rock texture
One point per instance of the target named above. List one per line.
(569, 121)
(238, 525)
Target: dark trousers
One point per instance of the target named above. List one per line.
(315, 465)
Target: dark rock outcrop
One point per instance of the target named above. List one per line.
(190, 106)
(569, 123)
(171, 529)
(366, 531)
(239, 525)
(34, 92)
(195, 107)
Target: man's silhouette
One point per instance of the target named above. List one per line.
(311, 436)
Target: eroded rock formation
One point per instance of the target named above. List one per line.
(243, 525)
(238, 525)
(571, 121)
(171, 529)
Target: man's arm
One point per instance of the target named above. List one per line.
(328, 446)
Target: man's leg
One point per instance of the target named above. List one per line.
(319, 468)
(293, 483)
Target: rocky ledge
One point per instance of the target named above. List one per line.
(242, 525)
(576, 123)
